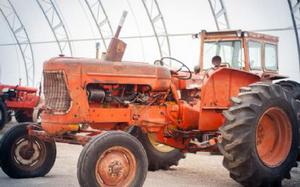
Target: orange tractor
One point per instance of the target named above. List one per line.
(18, 100)
(133, 116)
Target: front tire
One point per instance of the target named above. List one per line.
(260, 135)
(24, 156)
(112, 159)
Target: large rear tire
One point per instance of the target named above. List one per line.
(260, 135)
(24, 115)
(160, 156)
(3, 115)
(112, 159)
(24, 156)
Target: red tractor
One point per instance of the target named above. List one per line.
(17, 100)
(133, 116)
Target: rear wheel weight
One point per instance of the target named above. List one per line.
(260, 136)
(24, 156)
(112, 159)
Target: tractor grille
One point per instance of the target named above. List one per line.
(57, 98)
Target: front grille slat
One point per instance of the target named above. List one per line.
(57, 98)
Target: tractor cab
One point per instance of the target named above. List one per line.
(242, 50)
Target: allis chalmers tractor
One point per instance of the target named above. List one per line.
(133, 116)
(19, 100)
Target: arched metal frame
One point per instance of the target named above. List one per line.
(159, 26)
(56, 25)
(20, 34)
(101, 20)
(220, 14)
(294, 6)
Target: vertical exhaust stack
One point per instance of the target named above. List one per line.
(116, 46)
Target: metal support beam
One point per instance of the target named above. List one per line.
(56, 25)
(294, 6)
(145, 36)
(220, 14)
(159, 27)
(20, 34)
(101, 20)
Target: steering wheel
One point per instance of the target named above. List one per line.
(182, 66)
(226, 64)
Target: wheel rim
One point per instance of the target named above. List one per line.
(273, 137)
(115, 167)
(28, 153)
(158, 146)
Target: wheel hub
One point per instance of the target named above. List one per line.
(273, 137)
(27, 152)
(115, 167)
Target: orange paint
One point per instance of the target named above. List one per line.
(111, 95)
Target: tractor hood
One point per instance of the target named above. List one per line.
(98, 71)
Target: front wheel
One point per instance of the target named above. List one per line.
(112, 159)
(260, 135)
(24, 156)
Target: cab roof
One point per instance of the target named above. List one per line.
(237, 34)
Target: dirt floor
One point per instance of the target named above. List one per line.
(196, 170)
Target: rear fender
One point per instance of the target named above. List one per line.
(218, 87)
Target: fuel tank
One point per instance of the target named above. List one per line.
(107, 72)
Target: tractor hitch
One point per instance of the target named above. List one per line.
(204, 146)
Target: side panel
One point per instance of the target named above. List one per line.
(216, 92)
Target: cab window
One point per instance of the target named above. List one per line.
(255, 55)
(230, 51)
(271, 57)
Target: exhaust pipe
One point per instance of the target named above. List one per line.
(116, 46)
